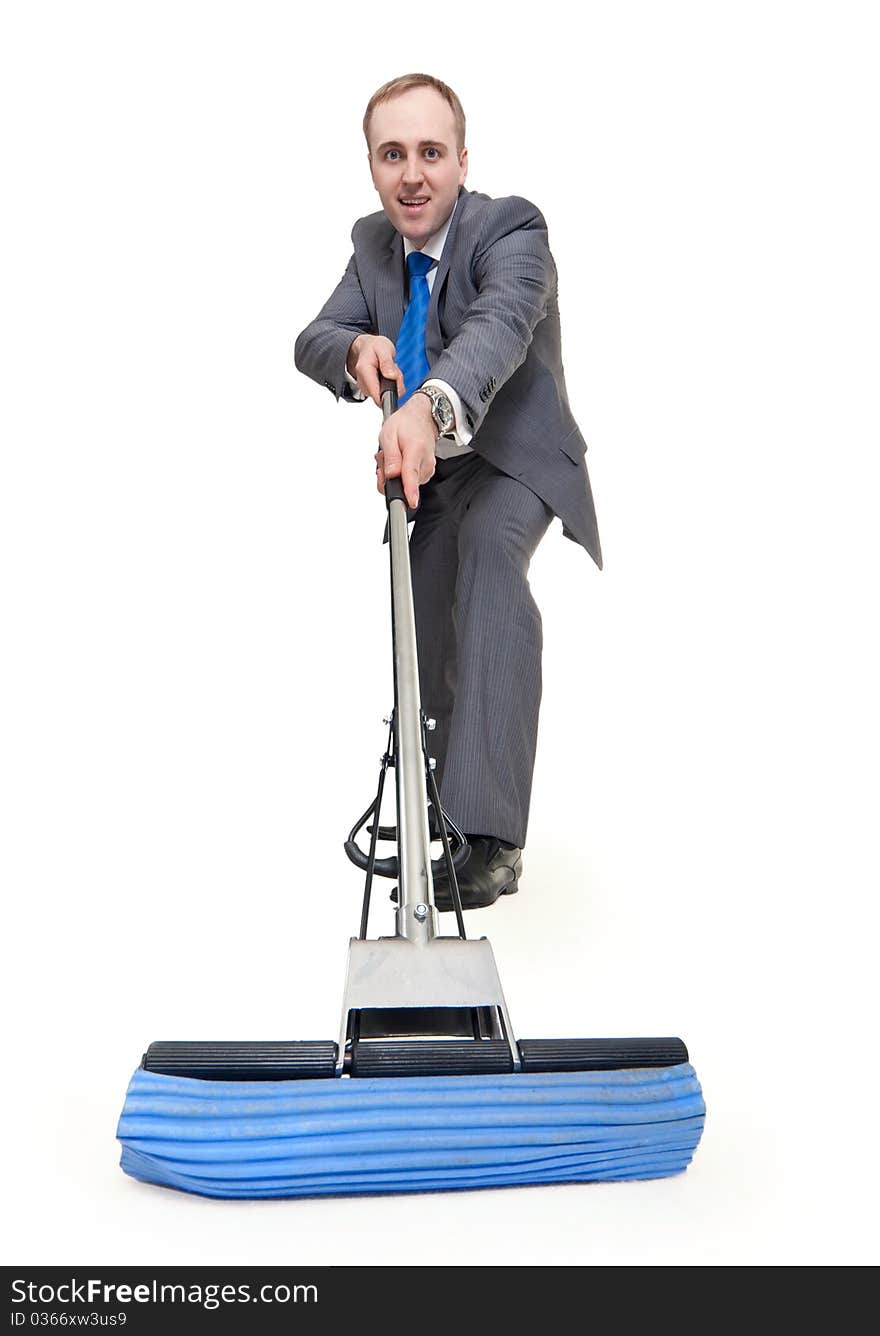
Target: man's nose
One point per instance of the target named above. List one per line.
(413, 170)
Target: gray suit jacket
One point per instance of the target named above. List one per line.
(492, 333)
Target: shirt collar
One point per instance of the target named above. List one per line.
(434, 245)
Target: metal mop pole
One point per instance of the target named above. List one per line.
(416, 916)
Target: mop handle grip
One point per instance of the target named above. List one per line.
(388, 392)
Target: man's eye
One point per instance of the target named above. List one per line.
(433, 150)
(390, 151)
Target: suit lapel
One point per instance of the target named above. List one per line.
(389, 287)
(433, 334)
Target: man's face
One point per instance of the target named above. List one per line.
(413, 157)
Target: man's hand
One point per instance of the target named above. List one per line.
(370, 357)
(406, 448)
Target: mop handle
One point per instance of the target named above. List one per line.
(416, 916)
(388, 394)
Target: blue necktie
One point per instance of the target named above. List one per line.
(410, 346)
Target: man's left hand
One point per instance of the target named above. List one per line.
(406, 448)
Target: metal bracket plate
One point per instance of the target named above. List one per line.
(441, 972)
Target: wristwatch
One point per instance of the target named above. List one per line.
(441, 408)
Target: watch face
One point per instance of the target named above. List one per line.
(443, 412)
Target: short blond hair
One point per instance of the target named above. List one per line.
(402, 84)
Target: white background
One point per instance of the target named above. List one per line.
(194, 610)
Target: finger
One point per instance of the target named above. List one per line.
(391, 371)
(370, 382)
(391, 460)
(427, 467)
(410, 479)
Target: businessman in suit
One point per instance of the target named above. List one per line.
(453, 295)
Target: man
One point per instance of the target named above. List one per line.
(453, 295)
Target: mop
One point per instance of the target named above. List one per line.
(427, 1087)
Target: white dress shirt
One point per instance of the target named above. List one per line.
(453, 442)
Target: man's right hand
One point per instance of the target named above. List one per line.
(370, 357)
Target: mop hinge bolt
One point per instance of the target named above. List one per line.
(432, 764)
(430, 725)
(420, 911)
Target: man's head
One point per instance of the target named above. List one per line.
(414, 127)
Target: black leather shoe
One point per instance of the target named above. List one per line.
(492, 869)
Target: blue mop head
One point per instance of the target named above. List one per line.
(408, 1134)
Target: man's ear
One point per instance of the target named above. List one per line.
(463, 165)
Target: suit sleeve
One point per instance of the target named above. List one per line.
(514, 274)
(322, 347)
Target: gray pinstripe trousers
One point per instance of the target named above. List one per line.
(479, 638)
